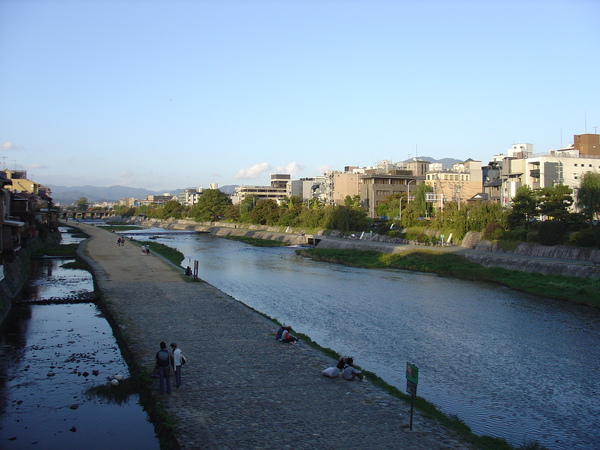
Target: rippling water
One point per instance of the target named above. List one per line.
(510, 365)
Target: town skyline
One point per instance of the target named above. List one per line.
(154, 95)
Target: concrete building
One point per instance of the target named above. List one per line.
(460, 183)
(566, 166)
(281, 187)
(190, 196)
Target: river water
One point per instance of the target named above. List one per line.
(510, 365)
(50, 354)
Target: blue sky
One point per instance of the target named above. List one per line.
(173, 94)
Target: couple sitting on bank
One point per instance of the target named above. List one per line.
(345, 369)
(284, 335)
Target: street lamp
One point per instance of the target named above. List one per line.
(408, 191)
(400, 211)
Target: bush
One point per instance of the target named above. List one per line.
(492, 231)
(413, 233)
(518, 234)
(423, 238)
(394, 234)
(551, 232)
(589, 237)
(533, 236)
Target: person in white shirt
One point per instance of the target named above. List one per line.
(178, 361)
(350, 373)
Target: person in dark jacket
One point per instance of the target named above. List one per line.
(163, 364)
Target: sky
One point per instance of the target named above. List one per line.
(167, 95)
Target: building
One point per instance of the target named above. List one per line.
(459, 184)
(190, 196)
(566, 166)
(280, 188)
(309, 188)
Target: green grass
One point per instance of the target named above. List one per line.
(173, 255)
(256, 241)
(577, 290)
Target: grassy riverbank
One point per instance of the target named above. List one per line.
(256, 241)
(585, 291)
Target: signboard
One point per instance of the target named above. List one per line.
(412, 373)
(411, 388)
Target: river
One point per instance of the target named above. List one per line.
(508, 364)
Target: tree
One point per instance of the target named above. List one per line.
(352, 201)
(555, 201)
(588, 195)
(265, 212)
(212, 206)
(82, 204)
(524, 206)
(172, 209)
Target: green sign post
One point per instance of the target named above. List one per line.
(412, 380)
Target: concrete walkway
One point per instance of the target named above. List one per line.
(242, 389)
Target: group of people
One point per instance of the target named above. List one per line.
(344, 367)
(146, 249)
(121, 242)
(166, 360)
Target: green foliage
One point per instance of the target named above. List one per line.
(212, 206)
(588, 195)
(82, 204)
(412, 233)
(551, 232)
(589, 237)
(554, 201)
(492, 231)
(524, 206)
(257, 242)
(266, 212)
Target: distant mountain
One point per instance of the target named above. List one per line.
(447, 163)
(68, 195)
(64, 195)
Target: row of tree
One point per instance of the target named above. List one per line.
(530, 209)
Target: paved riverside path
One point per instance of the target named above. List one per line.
(241, 388)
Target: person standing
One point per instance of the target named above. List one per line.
(178, 362)
(163, 364)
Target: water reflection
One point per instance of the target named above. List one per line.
(50, 355)
(509, 364)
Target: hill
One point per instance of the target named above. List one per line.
(64, 195)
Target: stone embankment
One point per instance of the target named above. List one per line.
(556, 260)
(281, 234)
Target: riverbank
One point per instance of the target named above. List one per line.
(241, 388)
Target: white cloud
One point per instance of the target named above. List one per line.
(37, 166)
(253, 172)
(322, 169)
(293, 168)
(8, 146)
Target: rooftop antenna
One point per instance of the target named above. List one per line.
(595, 130)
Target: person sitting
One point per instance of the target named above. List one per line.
(335, 371)
(284, 335)
(350, 373)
